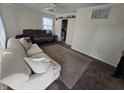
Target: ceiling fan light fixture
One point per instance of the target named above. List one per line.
(52, 8)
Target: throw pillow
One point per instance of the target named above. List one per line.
(34, 49)
(25, 44)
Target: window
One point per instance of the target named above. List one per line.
(2, 36)
(47, 23)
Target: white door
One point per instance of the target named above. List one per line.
(58, 25)
(70, 30)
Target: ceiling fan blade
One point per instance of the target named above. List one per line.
(46, 9)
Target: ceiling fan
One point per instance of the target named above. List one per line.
(51, 8)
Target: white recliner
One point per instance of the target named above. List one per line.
(16, 74)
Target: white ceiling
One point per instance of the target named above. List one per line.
(61, 8)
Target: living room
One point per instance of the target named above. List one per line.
(84, 41)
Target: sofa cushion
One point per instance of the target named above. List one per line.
(25, 43)
(12, 63)
(28, 32)
(14, 45)
(34, 49)
(41, 32)
(34, 33)
(39, 65)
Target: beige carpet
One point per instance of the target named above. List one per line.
(73, 64)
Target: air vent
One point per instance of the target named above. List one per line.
(101, 13)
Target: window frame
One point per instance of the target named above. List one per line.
(2, 35)
(47, 25)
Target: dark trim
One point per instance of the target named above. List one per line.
(67, 17)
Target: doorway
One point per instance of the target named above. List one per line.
(64, 30)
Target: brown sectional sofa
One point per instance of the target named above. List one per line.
(39, 36)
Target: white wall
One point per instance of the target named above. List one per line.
(70, 30)
(100, 38)
(17, 18)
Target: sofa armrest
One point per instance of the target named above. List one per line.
(15, 80)
(41, 81)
